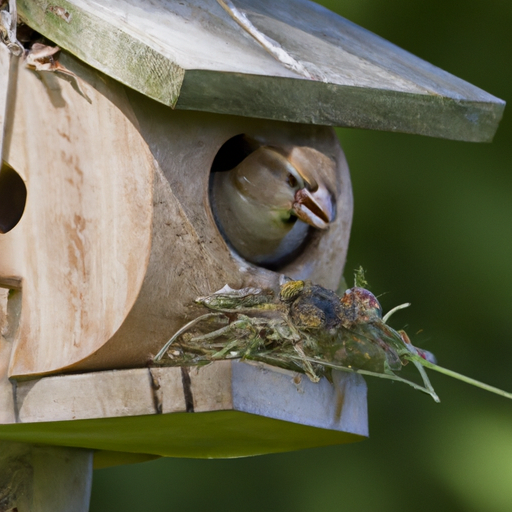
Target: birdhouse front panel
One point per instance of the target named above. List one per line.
(127, 221)
(80, 246)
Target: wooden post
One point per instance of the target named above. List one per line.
(44, 478)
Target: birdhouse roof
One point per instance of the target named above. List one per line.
(292, 61)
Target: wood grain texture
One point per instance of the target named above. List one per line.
(237, 409)
(189, 257)
(113, 394)
(264, 59)
(7, 414)
(44, 478)
(84, 239)
(4, 83)
(118, 238)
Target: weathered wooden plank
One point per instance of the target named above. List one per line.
(84, 237)
(323, 405)
(212, 387)
(107, 47)
(264, 59)
(44, 478)
(7, 414)
(347, 106)
(111, 394)
(10, 282)
(4, 85)
(167, 390)
(235, 409)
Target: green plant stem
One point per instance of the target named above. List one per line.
(372, 374)
(458, 376)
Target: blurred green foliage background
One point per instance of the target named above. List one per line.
(432, 226)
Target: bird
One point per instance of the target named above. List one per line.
(266, 205)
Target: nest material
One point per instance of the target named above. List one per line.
(305, 328)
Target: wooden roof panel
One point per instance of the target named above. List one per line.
(293, 61)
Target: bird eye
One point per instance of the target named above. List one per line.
(292, 180)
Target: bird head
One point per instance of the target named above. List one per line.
(259, 203)
(315, 202)
(288, 184)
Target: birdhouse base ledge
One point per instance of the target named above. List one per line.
(222, 410)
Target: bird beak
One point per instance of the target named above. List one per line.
(314, 208)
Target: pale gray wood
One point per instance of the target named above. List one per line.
(7, 408)
(94, 395)
(44, 478)
(293, 61)
(336, 406)
(253, 388)
(147, 412)
(4, 84)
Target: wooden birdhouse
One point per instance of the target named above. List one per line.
(111, 224)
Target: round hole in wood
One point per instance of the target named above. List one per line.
(232, 152)
(249, 182)
(13, 197)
